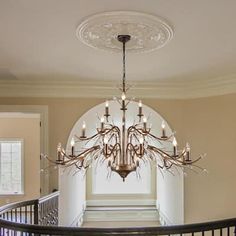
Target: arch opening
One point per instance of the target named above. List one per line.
(154, 188)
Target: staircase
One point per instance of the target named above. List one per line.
(120, 216)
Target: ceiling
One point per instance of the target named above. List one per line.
(39, 48)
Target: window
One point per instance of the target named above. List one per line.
(11, 156)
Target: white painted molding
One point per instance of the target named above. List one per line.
(78, 221)
(153, 32)
(146, 89)
(164, 220)
(126, 202)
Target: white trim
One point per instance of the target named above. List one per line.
(78, 221)
(18, 115)
(181, 89)
(126, 202)
(43, 112)
(164, 220)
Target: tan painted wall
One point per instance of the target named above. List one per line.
(209, 124)
(27, 129)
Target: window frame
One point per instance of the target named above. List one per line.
(22, 192)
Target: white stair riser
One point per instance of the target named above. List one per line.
(151, 215)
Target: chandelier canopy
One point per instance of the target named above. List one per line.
(123, 148)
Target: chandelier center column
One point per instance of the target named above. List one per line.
(123, 39)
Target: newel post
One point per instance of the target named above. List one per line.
(36, 212)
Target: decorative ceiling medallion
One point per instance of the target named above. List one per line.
(148, 32)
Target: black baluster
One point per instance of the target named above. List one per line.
(16, 220)
(26, 214)
(20, 215)
(36, 211)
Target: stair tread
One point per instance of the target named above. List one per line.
(120, 208)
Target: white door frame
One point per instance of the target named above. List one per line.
(43, 112)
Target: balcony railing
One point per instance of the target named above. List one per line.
(40, 217)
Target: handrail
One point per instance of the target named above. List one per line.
(44, 213)
(160, 230)
(48, 197)
(14, 205)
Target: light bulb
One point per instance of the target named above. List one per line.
(144, 119)
(59, 147)
(163, 125)
(105, 140)
(107, 104)
(141, 140)
(187, 147)
(102, 119)
(72, 142)
(140, 103)
(84, 125)
(174, 142)
(123, 97)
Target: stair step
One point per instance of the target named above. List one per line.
(121, 213)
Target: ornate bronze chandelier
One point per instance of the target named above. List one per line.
(123, 148)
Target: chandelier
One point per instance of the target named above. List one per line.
(123, 148)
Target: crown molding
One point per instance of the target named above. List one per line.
(184, 89)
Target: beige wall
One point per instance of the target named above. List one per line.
(28, 129)
(209, 124)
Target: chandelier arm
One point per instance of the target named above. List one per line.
(81, 155)
(140, 131)
(114, 147)
(161, 152)
(87, 138)
(133, 148)
(135, 136)
(116, 128)
(175, 161)
(160, 138)
(49, 159)
(196, 160)
(198, 167)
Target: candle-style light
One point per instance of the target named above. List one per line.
(187, 149)
(163, 127)
(145, 123)
(105, 140)
(102, 123)
(174, 142)
(72, 143)
(141, 140)
(83, 130)
(123, 96)
(107, 110)
(59, 153)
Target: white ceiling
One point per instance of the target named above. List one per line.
(38, 42)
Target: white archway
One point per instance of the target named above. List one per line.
(166, 192)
